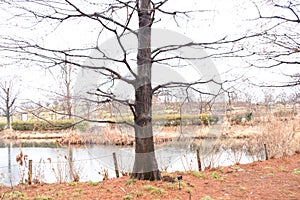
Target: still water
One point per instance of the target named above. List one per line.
(51, 163)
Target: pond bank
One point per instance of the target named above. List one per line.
(271, 179)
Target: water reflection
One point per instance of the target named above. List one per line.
(52, 163)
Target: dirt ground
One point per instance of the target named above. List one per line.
(272, 179)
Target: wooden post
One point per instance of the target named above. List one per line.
(266, 152)
(116, 164)
(30, 172)
(199, 159)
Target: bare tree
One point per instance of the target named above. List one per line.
(67, 71)
(279, 46)
(8, 99)
(120, 18)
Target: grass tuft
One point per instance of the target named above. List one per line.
(153, 190)
(198, 174)
(215, 175)
(296, 171)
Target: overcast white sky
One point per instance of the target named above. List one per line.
(225, 18)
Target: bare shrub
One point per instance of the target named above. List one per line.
(236, 148)
(39, 172)
(280, 137)
(212, 153)
(253, 148)
(64, 169)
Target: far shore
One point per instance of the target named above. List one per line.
(162, 134)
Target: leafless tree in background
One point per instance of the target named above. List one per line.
(68, 76)
(8, 97)
(279, 46)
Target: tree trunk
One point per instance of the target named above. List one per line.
(145, 164)
(8, 124)
(7, 112)
(67, 104)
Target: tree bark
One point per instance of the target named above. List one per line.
(66, 71)
(145, 164)
(7, 113)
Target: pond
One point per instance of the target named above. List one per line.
(52, 163)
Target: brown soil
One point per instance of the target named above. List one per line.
(272, 179)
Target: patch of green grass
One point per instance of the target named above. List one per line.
(127, 196)
(281, 191)
(158, 191)
(198, 174)
(296, 171)
(282, 169)
(215, 175)
(183, 184)
(73, 183)
(171, 186)
(292, 195)
(153, 190)
(41, 197)
(130, 182)
(92, 183)
(243, 188)
(169, 175)
(17, 195)
(148, 187)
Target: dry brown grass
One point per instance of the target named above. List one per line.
(280, 137)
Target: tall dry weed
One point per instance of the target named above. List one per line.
(280, 137)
